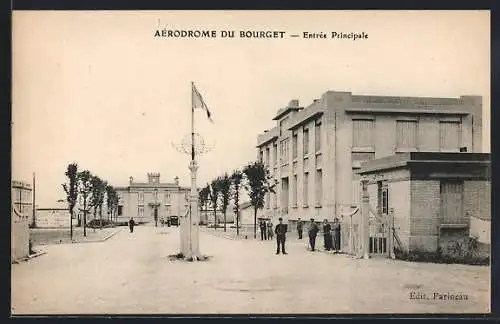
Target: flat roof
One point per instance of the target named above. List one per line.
(405, 159)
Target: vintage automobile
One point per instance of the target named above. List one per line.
(173, 221)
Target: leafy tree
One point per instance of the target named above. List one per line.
(225, 193)
(204, 198)
(111, 200)
(71, 190)
(236, 179)
(102, 194)
(214, 197)
(85, 189)
(98, 187)
(258, 185)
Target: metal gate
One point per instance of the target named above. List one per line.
(379, 234)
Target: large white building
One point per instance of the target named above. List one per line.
(144, 200)
(314, 153)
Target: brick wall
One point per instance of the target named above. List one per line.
(400, 201)
(477, 199)
(425, 213)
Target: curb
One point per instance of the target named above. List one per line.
(87, 241)
(99, 240)
(29, 257)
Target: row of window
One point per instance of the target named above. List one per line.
(155, 196)
(363, 136)
(318, 197)
(285, 143)
(406, 134)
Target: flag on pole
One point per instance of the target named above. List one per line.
(198, 102)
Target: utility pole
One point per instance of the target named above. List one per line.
(33, 224)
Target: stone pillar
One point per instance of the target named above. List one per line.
(194, 213)
(365, 215)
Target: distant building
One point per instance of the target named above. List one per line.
(21, 218)
(314, 152)
(144, 200)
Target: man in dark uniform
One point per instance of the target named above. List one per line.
(263, 230)
(300, 226)
(280, 231)
(313, 231)
(131, 224)
(327, 235)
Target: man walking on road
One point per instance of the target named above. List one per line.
(280, 231)
(131, 224)
(313, 231)
(300, 226)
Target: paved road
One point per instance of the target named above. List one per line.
(131, 273)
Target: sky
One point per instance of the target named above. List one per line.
(97, 88)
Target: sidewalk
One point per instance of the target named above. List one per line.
(45, 236)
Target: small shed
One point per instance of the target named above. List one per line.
(433, 198)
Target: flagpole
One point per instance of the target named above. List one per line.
(192, 121)
(192, 171)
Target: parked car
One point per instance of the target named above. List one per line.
(173, 221)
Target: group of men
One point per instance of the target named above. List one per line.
(266, 230)
(331, 234)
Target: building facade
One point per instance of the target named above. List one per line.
(146, 200)
(314, 153)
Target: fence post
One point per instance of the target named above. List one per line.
(390, 240)
(365, 215)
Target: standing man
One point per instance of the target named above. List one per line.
(263, 230)
(300, 226)
(313, 231)
(336, 235)
(131, 224)
(280, 231)
(270, 230)
(327, 236)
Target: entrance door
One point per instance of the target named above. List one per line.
(452, 202)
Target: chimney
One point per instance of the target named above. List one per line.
(294, 103)
(176, 180)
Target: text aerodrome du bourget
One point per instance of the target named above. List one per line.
(256, 34)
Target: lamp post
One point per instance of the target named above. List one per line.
(155, 210)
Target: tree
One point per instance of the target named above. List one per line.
(71, 190)
(204, 198)
(102, 194)
(236, 179)
(214, 197)
(258, 185)
(225, 193)
(85, 189)
(111, 200)
(97, 189)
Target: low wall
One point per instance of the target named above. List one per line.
(53, 218)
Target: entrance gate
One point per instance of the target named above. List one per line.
(378, 234)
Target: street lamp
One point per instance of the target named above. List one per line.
(155, 207)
